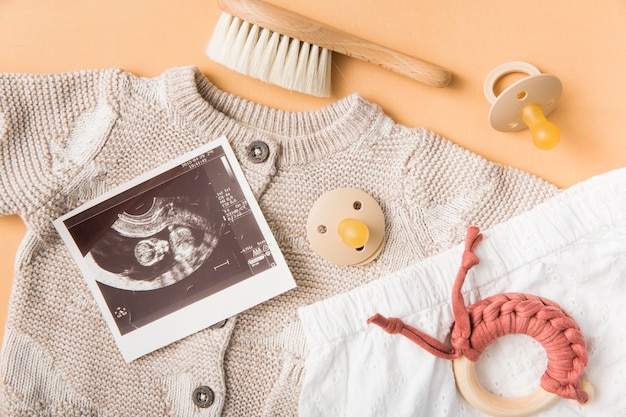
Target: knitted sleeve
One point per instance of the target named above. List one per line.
(451, 188)
(45, 137)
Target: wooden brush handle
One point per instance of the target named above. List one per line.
(298, 27)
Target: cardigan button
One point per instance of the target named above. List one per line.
(258, 151)
(203, 396)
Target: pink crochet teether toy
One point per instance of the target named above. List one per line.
(478, 325)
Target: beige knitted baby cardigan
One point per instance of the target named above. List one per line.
(67, 138)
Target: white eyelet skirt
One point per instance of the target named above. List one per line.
(570, 249)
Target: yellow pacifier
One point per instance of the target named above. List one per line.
(525, 103)
(346, 226)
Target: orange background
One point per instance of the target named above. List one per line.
(582, 43)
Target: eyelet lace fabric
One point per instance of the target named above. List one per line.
(571, 250)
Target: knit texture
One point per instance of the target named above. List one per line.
(67, 138)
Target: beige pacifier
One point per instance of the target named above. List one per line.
(346, 226)
(525, 103)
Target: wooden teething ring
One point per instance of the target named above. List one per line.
(494, 405)
(480, 324)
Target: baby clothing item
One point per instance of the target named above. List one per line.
(570, 250)
(67, 138)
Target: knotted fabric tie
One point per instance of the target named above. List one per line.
(478, 325)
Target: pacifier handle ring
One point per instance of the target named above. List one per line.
(502, 70)
(493, 405)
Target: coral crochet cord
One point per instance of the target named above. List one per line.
(478, 325)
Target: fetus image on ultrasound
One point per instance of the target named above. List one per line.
(156, 242)
(177, 237)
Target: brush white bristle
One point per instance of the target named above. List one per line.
(270, 56)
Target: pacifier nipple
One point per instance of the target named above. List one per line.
(354, 233)
(544, 133)
(346, 226)
(525, 103)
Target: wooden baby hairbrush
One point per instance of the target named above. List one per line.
(283, 48)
